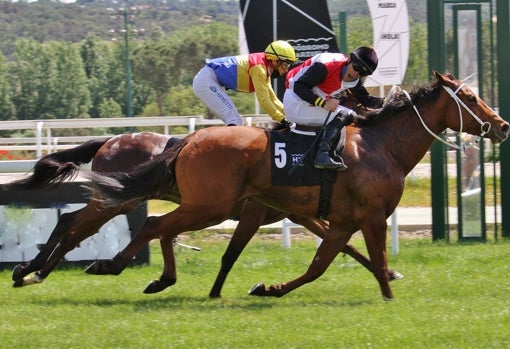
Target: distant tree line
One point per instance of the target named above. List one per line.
(87, 79)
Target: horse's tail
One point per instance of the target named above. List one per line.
(55, 168)
(146, 181)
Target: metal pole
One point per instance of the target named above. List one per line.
(503, 74)
(342, 32)
(129, 97)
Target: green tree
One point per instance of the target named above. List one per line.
(359, 32)
(417, 64)
(48, 81)
(99, 65)
(163, 65)
(32, 76)
(109, 108)
(153, 64)
(71, 97)
(6, 105)
(200, 42)
(182, 101)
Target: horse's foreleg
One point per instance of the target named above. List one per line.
(363, 260)
(320, 228)
(374, 233)
(329, 248)
(251, 218)
(169, 276)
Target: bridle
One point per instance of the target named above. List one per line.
(485, 127)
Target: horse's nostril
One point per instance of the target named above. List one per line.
(504, 130)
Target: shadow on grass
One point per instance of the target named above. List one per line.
(204, 303)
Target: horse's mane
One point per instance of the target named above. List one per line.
(419, 95)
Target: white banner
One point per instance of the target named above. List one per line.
(391, 40)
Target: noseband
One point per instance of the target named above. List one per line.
(456, 98)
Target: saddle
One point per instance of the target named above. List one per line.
(292, 155)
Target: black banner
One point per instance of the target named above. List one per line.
(305, 24)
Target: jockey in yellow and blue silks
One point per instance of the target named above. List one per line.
(244, 73)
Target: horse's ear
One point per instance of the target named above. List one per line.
(438, 75)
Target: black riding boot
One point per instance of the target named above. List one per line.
(324, 157)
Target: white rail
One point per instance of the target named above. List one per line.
(43, 129)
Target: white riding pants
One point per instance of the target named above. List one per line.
(215, 97)
(304, 113)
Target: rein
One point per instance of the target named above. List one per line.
(460, 103)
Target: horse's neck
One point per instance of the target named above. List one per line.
(403, 138)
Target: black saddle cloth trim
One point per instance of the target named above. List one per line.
(287, 150)
(289, 169)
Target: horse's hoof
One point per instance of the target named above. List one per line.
(395, 275)
(28, 280)
(214, 295)
(154, 287)
(94, 268)
(17, 273)
(258, 290)
(18, 283)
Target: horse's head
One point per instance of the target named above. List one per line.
(471, 114)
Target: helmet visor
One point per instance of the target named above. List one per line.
(359, 65)
(360, 69)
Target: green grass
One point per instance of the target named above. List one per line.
(452, 296)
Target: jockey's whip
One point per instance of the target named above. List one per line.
(312, 146)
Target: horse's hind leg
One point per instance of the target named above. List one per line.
(183, 218)
(251, 218)
(331, 245)
(169, 276)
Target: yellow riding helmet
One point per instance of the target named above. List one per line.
(280, 51)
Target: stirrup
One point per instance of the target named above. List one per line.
(331, 164)
(338, 167)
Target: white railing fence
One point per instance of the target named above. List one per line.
(44, 142)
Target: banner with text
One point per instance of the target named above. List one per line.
(391, 40)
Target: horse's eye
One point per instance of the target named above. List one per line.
(472, 99)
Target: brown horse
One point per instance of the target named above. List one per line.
(380, 151)
(122, 153)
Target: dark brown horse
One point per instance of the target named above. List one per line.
(380, 151)
(123, 152)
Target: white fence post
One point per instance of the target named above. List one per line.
(38, 135)
(191, 125)
(286, 225)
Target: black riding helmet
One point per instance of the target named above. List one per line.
(364, 60)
